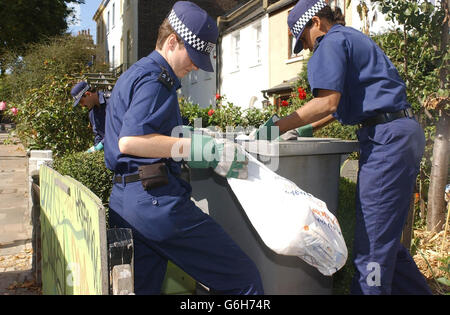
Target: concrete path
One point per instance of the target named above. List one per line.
(15, 223)
(16, 277)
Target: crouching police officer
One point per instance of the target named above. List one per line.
(148, 194)
(96, 103)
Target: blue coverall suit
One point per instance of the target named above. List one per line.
(347, 61)
(166, 224)
(97, 117)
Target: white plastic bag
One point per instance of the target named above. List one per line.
(289, 220)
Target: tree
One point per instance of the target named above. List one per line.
(439, 170)
(28, 21)
(425, 27)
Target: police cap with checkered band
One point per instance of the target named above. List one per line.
(300, 15)
(198, 31)
(78, 91)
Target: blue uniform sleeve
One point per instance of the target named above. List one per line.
(147, 110)
(97, 136)
(328, 66)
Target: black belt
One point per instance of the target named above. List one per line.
(118, 179)
(386, 117)
(127, 179)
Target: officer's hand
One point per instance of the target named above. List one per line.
(225, 157)
(304, 131)
(97, 147)
(268, 131)
(288, 135)
(233, 161)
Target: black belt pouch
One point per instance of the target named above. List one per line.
(153, 176)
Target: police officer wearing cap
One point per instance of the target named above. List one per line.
(96, 103)
(354, 82)
(144, 152)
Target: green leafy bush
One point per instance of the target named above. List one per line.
(224, 114)
(38, 86)
(89, 169)
(46, 119)
(346, 217)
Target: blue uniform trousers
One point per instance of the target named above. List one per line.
(388, 167)
(167, 225)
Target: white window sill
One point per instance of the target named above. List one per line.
(256, 65)
(299, 58)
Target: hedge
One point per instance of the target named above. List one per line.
(89, 169)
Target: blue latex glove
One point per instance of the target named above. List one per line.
(98, 147)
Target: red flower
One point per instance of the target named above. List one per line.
(211, 112)
(301, 93)
(284, 103)
(14, 111)
(218, 97)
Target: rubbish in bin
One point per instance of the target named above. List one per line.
(289, 220)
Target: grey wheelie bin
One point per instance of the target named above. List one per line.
(313, 164)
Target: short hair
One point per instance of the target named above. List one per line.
(335, 17)
(165, 30)
(92, 89)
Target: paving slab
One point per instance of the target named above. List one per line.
(15, 223)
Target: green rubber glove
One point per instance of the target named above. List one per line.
(225, 157)
(268, 131)
(305, 131)
(293, 134)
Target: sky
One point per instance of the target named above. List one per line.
(85, 13)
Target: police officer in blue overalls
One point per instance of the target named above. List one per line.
(96, 103)
(144, 153)
(354, 82)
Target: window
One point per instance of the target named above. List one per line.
(258, 36)
(236, 50)
(108, 23)
(291, 53)
(291, 45)
(113, 56)
(337, 3)
(128, 49)
(194, 77)
(102, 30)
(210, 75)
(113, 14)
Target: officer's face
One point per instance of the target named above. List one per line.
(180, 61)
(310, 34)
(89, 100)
(306, 39)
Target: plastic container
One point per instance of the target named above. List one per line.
(314, 165)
